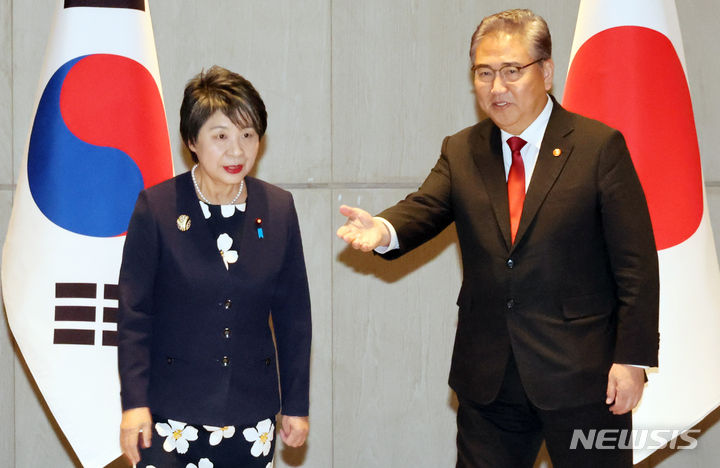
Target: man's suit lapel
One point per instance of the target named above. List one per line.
(548, 167)
(487, 154)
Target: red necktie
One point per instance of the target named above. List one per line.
(516, 184)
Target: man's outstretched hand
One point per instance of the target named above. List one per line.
(361, 230)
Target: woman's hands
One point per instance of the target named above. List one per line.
(136, 426)
(294, 430)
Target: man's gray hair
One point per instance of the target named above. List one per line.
(520, 21)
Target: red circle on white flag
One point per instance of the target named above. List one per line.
(631, 78)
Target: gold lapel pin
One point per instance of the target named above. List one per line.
(557, 152)
(183, 222)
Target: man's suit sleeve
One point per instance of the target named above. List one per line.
(290, 310)
(135, 305)
(425, 213)
(633, 256)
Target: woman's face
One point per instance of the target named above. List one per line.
(225, 152)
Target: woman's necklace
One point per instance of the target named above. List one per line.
(204, 198)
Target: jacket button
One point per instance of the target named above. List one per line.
(225, 361)
(227, 304)
(169, 360)
(510, 303)
(226, 333)
(510, 264)
(268, 361)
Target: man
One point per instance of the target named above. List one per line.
(558, 310)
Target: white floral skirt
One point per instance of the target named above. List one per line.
(177, 444)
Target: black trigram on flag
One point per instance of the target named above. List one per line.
(132, 4)
(79, 302)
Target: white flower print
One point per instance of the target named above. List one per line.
(224, 242)
(203, 463)
(178, 434)
(269, 465)
(227, 210)
(219, 433)
(205, 209)
(262, 436)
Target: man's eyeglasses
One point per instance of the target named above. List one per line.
(508, 73)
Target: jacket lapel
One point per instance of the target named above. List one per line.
(487, 154)
(548, 167)
(250, 247)
(199, 233)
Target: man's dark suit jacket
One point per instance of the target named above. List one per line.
(576, 292)
(194, 340)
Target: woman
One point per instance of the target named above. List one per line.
(209, 256)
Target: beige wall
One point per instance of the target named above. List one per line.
(359, 94)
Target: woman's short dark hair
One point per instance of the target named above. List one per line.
(219, 89)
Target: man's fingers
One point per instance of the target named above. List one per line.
(625, 387)
(360, 244)
(357, 216)
(618, 405)
(348, 211)
(619, 408)
(361, 230)
(623, 403)
(364, 240)
(351, 213)
(348, 233)
(343, 231)
(350, 236)
(611, 392)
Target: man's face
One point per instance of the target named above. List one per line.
(512, 106)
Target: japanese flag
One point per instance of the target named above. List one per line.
(627, 69)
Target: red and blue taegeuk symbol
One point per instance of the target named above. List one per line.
(99, 137)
